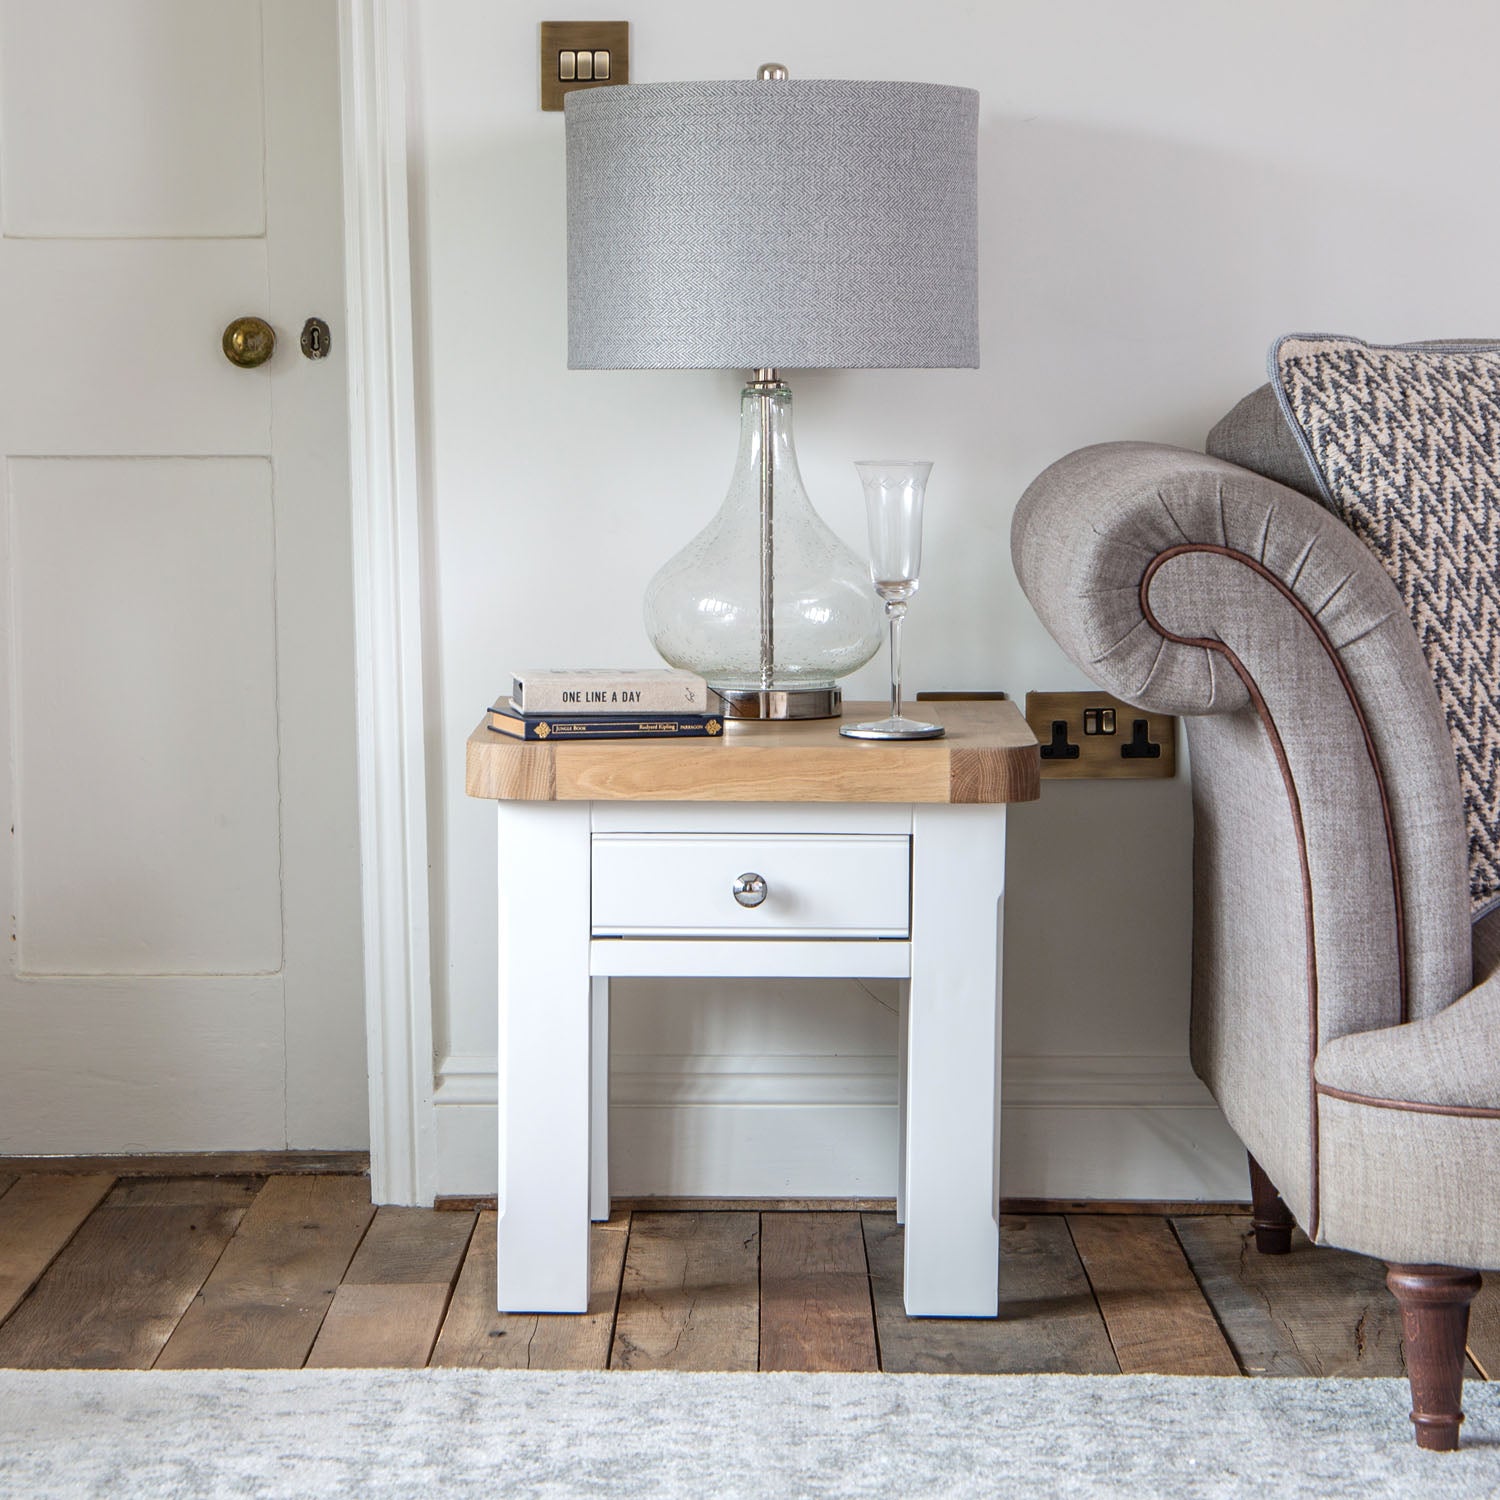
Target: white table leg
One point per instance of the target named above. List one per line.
(599, 1100)
(953, 1045)
(903, 1016)
(542, 1240)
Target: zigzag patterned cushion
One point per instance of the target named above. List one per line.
(1406, 442)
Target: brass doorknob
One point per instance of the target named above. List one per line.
(249, 342)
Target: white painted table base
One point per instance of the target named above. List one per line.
(554, 1036)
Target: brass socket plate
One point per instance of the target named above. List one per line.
(1123, 754)
(569, 53)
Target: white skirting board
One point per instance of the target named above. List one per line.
(1074, 1126)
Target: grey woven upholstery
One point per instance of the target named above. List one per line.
(1330, 863)
(1411, 1187)
(1255, 435)
(1449, 1059)
(1486, 946)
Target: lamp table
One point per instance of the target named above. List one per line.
(781, 851)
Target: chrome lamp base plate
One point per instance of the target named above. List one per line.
(892, 729)
(739, 704)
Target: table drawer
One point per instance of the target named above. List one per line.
(670, 885)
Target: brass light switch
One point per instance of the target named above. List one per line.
(582, 55)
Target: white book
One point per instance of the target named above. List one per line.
(610, 690)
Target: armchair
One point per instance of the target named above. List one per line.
(1345, 1015)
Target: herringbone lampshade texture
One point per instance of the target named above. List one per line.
(1407, 443)
(787, 223)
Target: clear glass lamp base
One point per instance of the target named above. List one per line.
(892, 729)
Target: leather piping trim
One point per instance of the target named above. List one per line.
(1284, 765)
(1414, 1106)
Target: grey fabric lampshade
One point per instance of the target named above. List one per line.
(787, 223)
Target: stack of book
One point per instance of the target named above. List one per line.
(605, 703)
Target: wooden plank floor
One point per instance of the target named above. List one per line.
(276, 1270)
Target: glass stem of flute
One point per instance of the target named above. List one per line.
(895, 612)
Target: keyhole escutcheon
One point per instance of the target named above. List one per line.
(316, 339)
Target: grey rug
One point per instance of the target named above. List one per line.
(431, 1433)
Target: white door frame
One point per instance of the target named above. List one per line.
(387, 602)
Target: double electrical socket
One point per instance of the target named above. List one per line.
(1093, 735)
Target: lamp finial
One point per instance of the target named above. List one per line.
(772, 70)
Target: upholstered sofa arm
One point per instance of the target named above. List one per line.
(1191, 586)
(1449, 1063)
(1409, 1125)
(1091, 528)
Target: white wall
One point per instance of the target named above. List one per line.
(1166, 186)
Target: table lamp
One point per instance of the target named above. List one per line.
(769, 224)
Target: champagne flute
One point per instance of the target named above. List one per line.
(894, 490)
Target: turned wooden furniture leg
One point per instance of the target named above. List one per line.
(1435, 1321)
(1270, 1218)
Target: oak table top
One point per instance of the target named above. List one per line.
(989, 754)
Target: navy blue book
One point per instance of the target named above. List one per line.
(505, 719)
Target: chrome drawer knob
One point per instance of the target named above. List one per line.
(750, 889)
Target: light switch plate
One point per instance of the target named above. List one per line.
(1101, 737)
(579, 55)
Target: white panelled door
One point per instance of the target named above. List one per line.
(183, 882)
